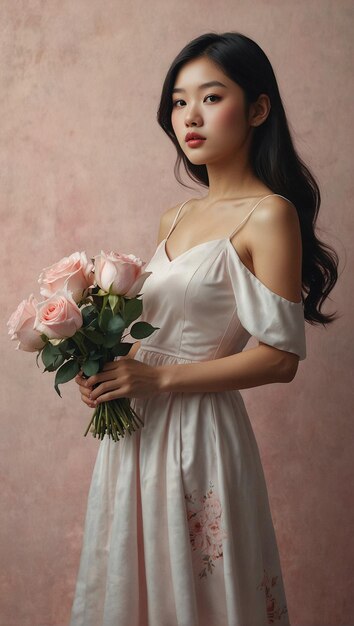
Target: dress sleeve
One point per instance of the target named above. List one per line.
(269, 317)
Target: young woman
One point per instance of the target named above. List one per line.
(178, 529)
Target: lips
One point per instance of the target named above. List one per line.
(190, 136)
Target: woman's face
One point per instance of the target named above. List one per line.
(217, 112)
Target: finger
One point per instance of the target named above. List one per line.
(109, 385)
(81, 382)
(80, 376)
(101, 377)
(110, 365)
(83, 385)
(85, 396)
(86, 392)
(122, 392)
(89, 402)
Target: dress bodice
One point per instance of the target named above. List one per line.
(206, 304)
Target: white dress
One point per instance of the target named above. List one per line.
(178, 528)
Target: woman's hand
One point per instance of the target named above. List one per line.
(125, 378)
(84, 390)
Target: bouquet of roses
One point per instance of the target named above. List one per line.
(80, 322)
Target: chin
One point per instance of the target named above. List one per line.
(196, 159)
(200, 158)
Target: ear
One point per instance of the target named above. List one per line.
(259, 110)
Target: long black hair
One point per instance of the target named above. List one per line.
(272, 155)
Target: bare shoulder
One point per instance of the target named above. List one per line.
(275, 244)
(275, 209)
(166, 221)
(275, 219)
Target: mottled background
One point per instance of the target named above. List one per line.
(84, 165)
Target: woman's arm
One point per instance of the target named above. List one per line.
(133, 378)
(254, 367)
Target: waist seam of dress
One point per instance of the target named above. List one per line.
(149, 348)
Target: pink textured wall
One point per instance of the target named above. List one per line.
(84, 166)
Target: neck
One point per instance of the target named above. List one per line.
(233, 177)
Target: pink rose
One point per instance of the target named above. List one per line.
(123, 270)
(74, 273)
(214, 531)
(200, 542)
(212, 507)
(59, 316)
(197, 522)
(21, 328)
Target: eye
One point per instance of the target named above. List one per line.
(213, 96)
(175, 102)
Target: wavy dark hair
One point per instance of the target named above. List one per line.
(272, 155)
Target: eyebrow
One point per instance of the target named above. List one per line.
(212, 83)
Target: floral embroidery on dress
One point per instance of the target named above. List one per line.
(273, 611)
(205, 532)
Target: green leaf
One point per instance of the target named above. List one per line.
(132, 310)
(79, 340)
(110, 340)
(121, 349)
(49, 354)
(58, 348)
(139, 330)
(88, 313)
(71, 351)
(92, 325)
(90, 368)
(94, 336)
(116, 324)
(63, 346)
(94, 356)
(65, 373)
(59, 360)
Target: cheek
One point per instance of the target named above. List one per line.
(174, 121)
(229, 118)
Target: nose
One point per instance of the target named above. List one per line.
(192, 117)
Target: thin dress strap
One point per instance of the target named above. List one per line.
(176, 217)
(247, 216)
(237, 227)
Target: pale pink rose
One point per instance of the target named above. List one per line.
(215, 536)
(197, 522)
(212, 507)
(59, 316)
(200, 542)
(74, 273)
(123, 270)
(214, 531)
(21, 329)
